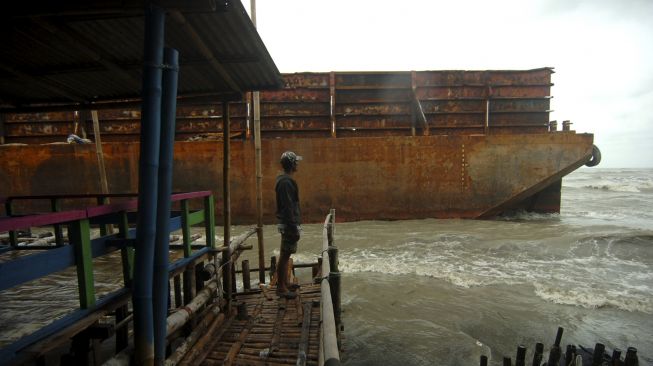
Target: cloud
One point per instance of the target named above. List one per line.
(601, 51)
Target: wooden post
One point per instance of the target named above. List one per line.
(226, 255)
(81, 239)
(521, 356)
(335, 287)
(177, 286)
(82, 123)
(487, 110)
(273, 266)
(256, 107)
(2, 128)
(259, 188)
(189, 272)
(333, 259)
(55, 205)
(126, 253)
(249, 120)
(122, 333)
(246, 280)
(199, 278)
(597, 356)
(104, 184)
(538, 354)
(102, 200)
(483, 360)
(209, 221)
(413, 115)
(13, 235)
(332, 102)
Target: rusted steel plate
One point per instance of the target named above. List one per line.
(378, 80)
(457, 131)
(507, 130)
(449, 106)
(369, 101)
(306, 80)
(294, 109)
(295, 95)
(38, 129)
(519, 119)
(390, 177)
(456, 92)
(498, 77)
(456, 119)
(291, 123)
(373, 109)
(294, 134)
(520, 105)
(373, 96)
(371, 122)
(376, 132)
(39, 117)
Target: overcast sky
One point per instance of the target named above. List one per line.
(602, 52)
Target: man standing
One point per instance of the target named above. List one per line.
(289, 220)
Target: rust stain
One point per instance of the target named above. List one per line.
(400, 177)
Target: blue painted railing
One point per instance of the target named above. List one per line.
(83, 249)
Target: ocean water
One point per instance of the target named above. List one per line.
(444, 292)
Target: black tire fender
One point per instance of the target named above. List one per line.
(596, 157)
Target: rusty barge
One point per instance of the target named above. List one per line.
(377, 145)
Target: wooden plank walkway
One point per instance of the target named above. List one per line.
(276, 331)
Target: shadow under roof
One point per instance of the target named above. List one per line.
(85, 54)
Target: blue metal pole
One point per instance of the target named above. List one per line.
(161, 280)
(147, 185)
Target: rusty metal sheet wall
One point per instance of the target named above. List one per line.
(364, 104)
(365, 178)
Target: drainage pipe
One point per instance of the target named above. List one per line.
(160, 290)
(147, 184)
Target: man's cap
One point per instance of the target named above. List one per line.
(291, 156)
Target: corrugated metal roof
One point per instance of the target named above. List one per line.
(81, 53)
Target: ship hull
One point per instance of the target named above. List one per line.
(366, 178)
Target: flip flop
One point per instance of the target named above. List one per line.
(293, 287)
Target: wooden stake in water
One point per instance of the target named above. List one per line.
(521, 356)
(483, 360)
(537, 356)
(597, 357)
(556, 352)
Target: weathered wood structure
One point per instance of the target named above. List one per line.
(74, 56)
(208, 322)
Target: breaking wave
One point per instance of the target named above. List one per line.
(593, 272)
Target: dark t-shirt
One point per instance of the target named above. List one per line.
(287, 201)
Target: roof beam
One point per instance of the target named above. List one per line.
(85, 46)
(104, 8)
(204, 49)
(44, 83)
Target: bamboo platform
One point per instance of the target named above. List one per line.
(267, 330)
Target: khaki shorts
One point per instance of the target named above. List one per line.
(289, 243)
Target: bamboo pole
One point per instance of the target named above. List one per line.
(177, 319)
(104, 185)
(226, 276)
(256, 105)
(199, 331)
